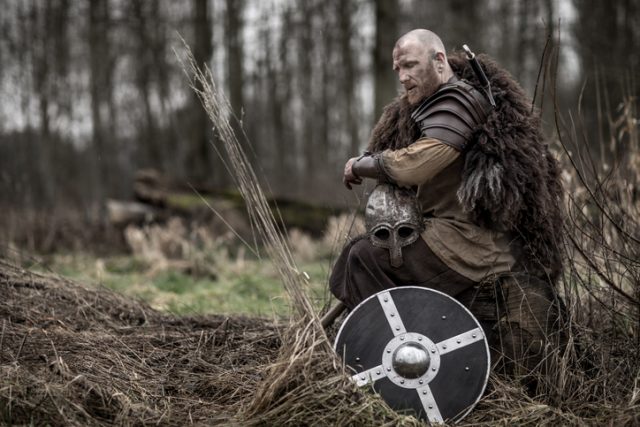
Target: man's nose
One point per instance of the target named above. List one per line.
(403, 77)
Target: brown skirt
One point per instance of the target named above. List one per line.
(362, 270)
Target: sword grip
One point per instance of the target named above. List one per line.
(332, 314)
(477, 69)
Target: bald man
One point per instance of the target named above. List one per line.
(420, 145)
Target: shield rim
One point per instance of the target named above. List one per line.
(461, 416)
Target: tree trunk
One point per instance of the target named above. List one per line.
(233, 26)
(41, 81)
(150, 156)
(280, 77)
(98, 63)
(199, 161)
(386, 36)
(306, 92)
(345, 12)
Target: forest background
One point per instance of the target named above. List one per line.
(92, 91)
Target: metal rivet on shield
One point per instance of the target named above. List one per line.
(433, 369)
(397, 328)
(388, 369)
(444, 347)
(362, 378)
(430, 406)
(474, 335)
(392, 315)
(458, 341)
(401, 338)
(388, 350)
(444, 317)
(357, 359)
(386, 299)
(377, 372)
(466, 368)
(424, 391)
(422, 382)
(401, 381)
(419, 338)
(433, 350)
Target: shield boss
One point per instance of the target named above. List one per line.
(420, 349)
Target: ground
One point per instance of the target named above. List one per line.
(188, 332)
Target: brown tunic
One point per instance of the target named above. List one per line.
(436, 169)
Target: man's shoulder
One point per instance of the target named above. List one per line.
(452, 113)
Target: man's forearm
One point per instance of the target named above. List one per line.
(370, 166)
(419, 162)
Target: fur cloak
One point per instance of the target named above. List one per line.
(511, 181)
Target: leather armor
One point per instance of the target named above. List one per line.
(452, 113)
(369, 165)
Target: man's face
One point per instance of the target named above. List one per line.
(416, 71)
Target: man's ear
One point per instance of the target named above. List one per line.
(439, 57)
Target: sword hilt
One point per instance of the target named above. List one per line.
(335, 311)
(482, 78)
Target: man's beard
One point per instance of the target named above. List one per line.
(431, 85)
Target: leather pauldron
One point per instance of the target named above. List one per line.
(452, 114)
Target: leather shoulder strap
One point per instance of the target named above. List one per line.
(452, 114)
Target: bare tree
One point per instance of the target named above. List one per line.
(387, 14)
(345, 12)
(280, 76)
(199, 162)
(233, 39)
(42, 63)
(101, 99)
(306, 78)
(143, 78)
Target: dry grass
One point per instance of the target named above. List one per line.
(76, 356)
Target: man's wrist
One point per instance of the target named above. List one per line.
(369, 166)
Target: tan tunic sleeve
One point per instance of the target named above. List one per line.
(419, 162)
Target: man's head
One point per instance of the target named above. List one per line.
(420, 60)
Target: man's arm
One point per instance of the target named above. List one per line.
(413, 165)
(418, 163)
(366, 166)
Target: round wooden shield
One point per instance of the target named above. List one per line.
(420, 349)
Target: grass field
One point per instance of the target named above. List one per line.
(227, 286)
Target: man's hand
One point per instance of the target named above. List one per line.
(349, 178)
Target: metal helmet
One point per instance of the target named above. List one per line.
(393, 219)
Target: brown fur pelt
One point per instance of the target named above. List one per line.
(395, 129)
(510, 179)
